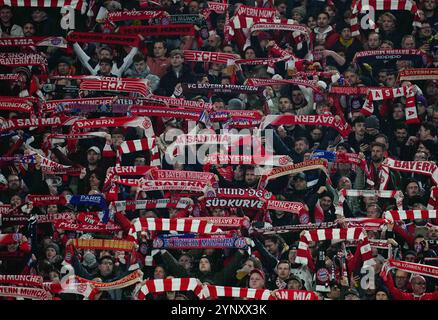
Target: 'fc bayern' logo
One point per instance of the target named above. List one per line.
(16, 237)
(147, 124)
(165, 20)
(55, 41)
(283, 161)
(304, 218)
(158, 243)
(240, 243)
(322, 275)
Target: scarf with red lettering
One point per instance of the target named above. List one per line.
(334, 234)
(13, 59)
(179, 102)
(259, 82)
(159, 30)
(75, 104)
(26, 293)
(86, 37)
(334, 122)
(320, 164)
(357, 6)
(143, 122)
(76, 4)
(373, 56)
(397, 215)
(126, 281)
(206, 56)
(418, 74)
(84, 289)
(181, 225)
(131, 205)
(22, 280)
(58, 42)
(9, 76)
(167, 285)
(425, 270)
(134, 15)
(388, 194)
(224, 222)
(169, 112)
(131, 146)
(17, 104)
(389, 94)
(116, 84)
(428, 168)
(351, 90)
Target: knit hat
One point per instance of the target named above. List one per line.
(372, 123)
(300, 10)
(260, 272)
(53, 246)
(89, 260)
(326, 194)
(235, 104)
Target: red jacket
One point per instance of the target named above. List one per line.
(397, 294)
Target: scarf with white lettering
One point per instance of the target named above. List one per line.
(367, 224)
(181, 225)
(425, 270)
(88, 228)
(294, 228)
(123, 171)
(418, 74)
(134, 15)
(17, 104)
(26, 293)
(389, 94)
(13, 59)
(206, 56)
(374, 56)
(115, 84)
(9, 76)
(189, 241)
(397, 215)
(357, 6)
(76, 4)
(58, 42)
(22, 280)
(80, 104)
(131, 205)
(334, 122)
(179, 102)
(334, 234)
(126, 281)
(230, 222)
(277, 160)
(169, 175)
(428, 168)
(167, 285)
(16, 124)
(260, 82)
(168, 112)
(388, 194)
(84, 289)
(213, 88)
(131, 146)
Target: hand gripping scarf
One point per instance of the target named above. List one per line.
(334, 234)
(386, 5)
(167, 285)
(131, 146)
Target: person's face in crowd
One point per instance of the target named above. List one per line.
(408, 43)
(140, 66)
(63, 68)
(294, 285)
(318, 53)
(322, 21)
(418, 286)
(373, 41)
(311, 23)
(390, 80)
(420, 156)
(228, 49)
(139, 161)
(271, 246)
(381, 77)
(351, 297)
(283, 271)
(250, 177)
(159, 273)
(249, 264)
(214, 41)
(185, 262)
(422, 148)
(218, 212)
(377, 154)
(412, 189)
(220, 24)
(346, 33)
(326, 203)
(218, 105)
(386, 46)
(50, 253)
(105, 68)
(435, 118)
(159, 50)
(52, 208)
(292, 255)
(398, 113)
(382, 140)
(372, 131)
(401, 279)
(381, 295)
(238, 173)
(284, 105)
(39, 15)
(300, 184)
(94, 181)
(429, 5)
(14, 182)
(172, 212)
(351, 77)
(373, 212)
(16, 201)
(335, 292)
(359, 128)
(193, 7)
(403, 64)
(176, 61)
(297, 16)
(410, 258)
(117, 139)
(401, 135)
(256, 281)
(281, 8)
(92, 157)
(424, 133)
(370, 200)
(344, 183)
(29, 30)
(297, 97)
(316, 134)
(204, 265)
(5, 16)
(250, 54)
(425, 30)
(432, 233)
(105, 54)
(387, 23)
(106, 267)
(54, 277)
(300, 146)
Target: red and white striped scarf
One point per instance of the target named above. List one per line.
(130, 205)
(131, 146)
(123, 171)
(206, 56)
(223, 222)
(167, 285)
(170, 175)
(79, 136)
(68, 104)
(76, 4)
(386, 5)
(397, 215)
(26, 293)
(260, 82)
(179, 102)
(344, 193)
(334, 234)
(286, 206)
(255, 12)
(22, 280)
(84, 289)
(334, 122)
(115, 84)
(181, 225)
(389, 94)
(246, 159)
(428, 168)
(367, 224)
